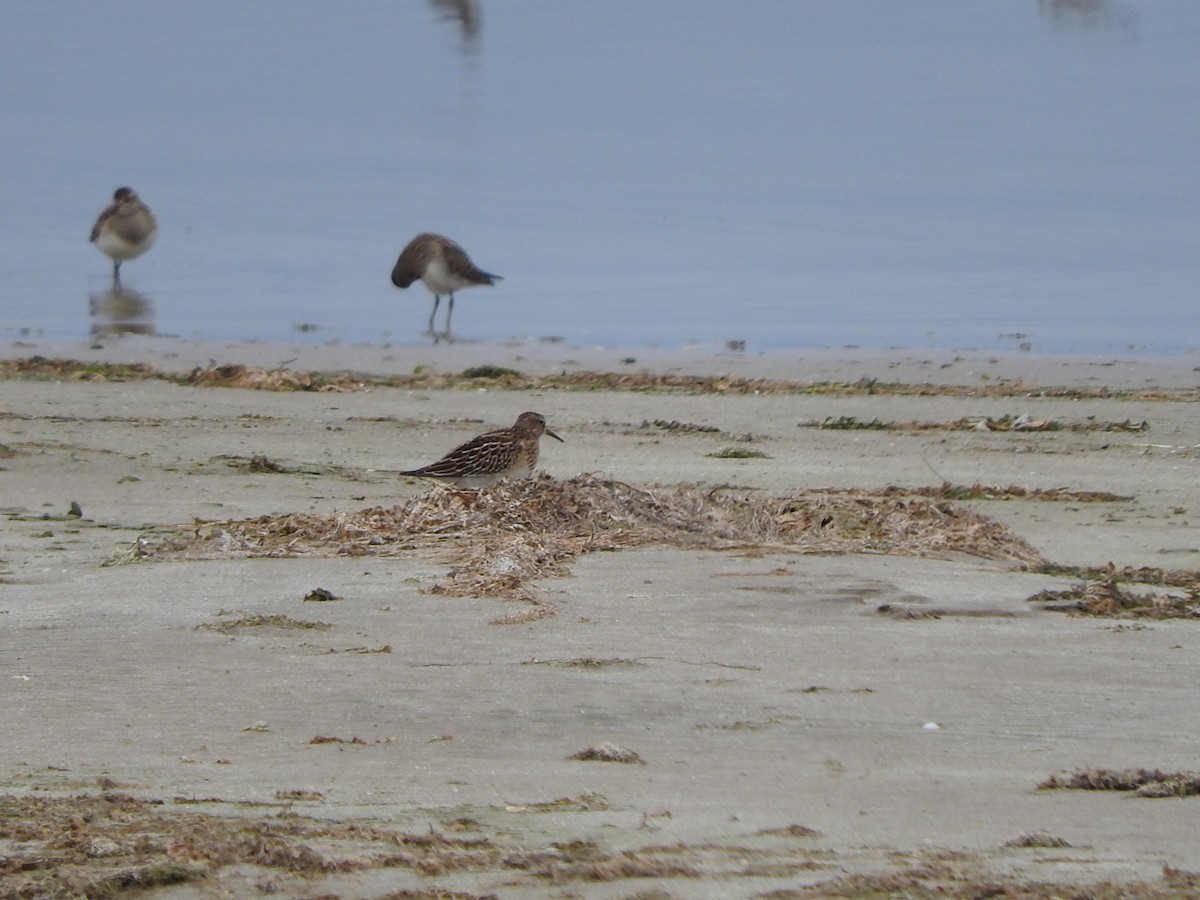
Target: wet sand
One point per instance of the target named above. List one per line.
(788, 732)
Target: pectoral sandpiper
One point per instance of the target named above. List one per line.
(488, 458)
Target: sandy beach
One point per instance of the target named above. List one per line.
(187, 716)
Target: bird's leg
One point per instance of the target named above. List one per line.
(436, 301)
(116, 271)
(449, 313)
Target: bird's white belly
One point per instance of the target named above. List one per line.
(439, 279)
(490, 478)
(116, 247)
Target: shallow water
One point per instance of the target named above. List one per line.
(786, 173)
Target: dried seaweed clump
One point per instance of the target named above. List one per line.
(502, 536)
(1107, 598)
(1142, 782)
(115, 844)
(608, 752)
(41, 367)
(237, 375)
(977, 491)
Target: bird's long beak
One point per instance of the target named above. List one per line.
(555, 436)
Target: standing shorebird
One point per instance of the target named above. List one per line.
(125, 230)
(484, 460)
(444, 267)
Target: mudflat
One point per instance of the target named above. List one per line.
(242, 655)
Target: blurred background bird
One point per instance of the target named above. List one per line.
(125, 230)
(444, 267)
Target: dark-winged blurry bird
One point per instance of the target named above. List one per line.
(125, 230)
(444, 267)
(488, 458)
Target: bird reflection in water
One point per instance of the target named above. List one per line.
(465, 13)
(120, 310)
(1111, 15)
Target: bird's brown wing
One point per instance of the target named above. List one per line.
(458, 261)
(104, 217)
(485, 454)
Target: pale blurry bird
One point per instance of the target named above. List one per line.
(125, 230)
(488, 458)
(444, 267)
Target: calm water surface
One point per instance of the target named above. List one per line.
(783, 172)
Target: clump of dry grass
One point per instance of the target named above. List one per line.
(500, 537)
